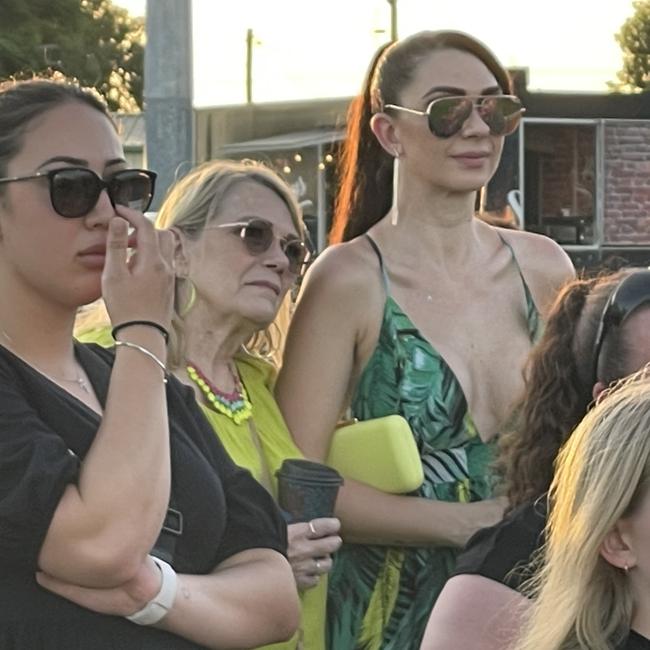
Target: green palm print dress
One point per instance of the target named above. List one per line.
(380, 597)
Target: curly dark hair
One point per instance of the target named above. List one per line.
(559, 385)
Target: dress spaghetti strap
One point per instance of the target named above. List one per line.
(382, 268)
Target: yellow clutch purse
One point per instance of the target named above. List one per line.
(380, 452)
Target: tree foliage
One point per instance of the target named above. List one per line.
(634, 39)
(93, 41)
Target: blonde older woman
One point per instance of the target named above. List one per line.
(240, 246)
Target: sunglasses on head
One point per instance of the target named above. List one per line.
(446, 115)
(74, 191)
(258, 235)
(632, 292)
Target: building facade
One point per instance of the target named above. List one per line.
(577, 170)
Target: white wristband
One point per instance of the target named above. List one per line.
(162, 602)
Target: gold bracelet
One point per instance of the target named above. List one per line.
(151, 355)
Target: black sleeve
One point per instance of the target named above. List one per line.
(635, 642)
(503, 552)
(35, 467)
(253, 519)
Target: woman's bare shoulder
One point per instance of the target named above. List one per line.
(345, 269)
(535, 253)
(544, 263)
(536, 248)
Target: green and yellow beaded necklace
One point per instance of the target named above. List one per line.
(234, 405)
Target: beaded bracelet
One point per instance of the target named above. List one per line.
(147, 323)
(151, 355)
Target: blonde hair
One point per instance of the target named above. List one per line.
(92, 317)
(190, 205)
(582, 601)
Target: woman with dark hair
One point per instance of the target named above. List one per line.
(123, 522)
(597, 332)
(423, 311)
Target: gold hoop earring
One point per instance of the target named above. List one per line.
(190, 301)
(394, 208)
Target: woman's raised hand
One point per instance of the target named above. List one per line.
(139, 286)
(310, 547)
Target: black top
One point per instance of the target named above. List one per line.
(502, 552)
(636, 642)
(225, 510)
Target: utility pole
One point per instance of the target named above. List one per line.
(393, 19)
(168, 90)
(251, 42)
(249, 66)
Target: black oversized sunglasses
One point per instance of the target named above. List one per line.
(632, 292)
(257, 235)
(446, 115)
(74, 191)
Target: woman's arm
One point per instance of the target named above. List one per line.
(475, 613)
(108, 521)
(249, 600)
(369, 516)
(333, 332)
(322, 348)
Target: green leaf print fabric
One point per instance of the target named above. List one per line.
(380, 597)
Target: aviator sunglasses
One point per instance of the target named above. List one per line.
(74, 191)
(257, 235)
(446, 115)
(632, 292)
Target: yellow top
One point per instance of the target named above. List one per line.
(258, 377)
(276, 443)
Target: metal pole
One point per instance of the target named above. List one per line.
(393, 19)
(168, 90)
(249, 66)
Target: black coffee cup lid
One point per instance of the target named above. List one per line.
(300, 468)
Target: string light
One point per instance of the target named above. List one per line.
(297, 157)
(329, 158)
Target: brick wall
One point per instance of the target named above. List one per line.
(566, 157)
(627, 182)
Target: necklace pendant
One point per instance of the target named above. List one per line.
(83, 385)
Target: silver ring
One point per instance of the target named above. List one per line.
(318, 565)
(312, 529)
